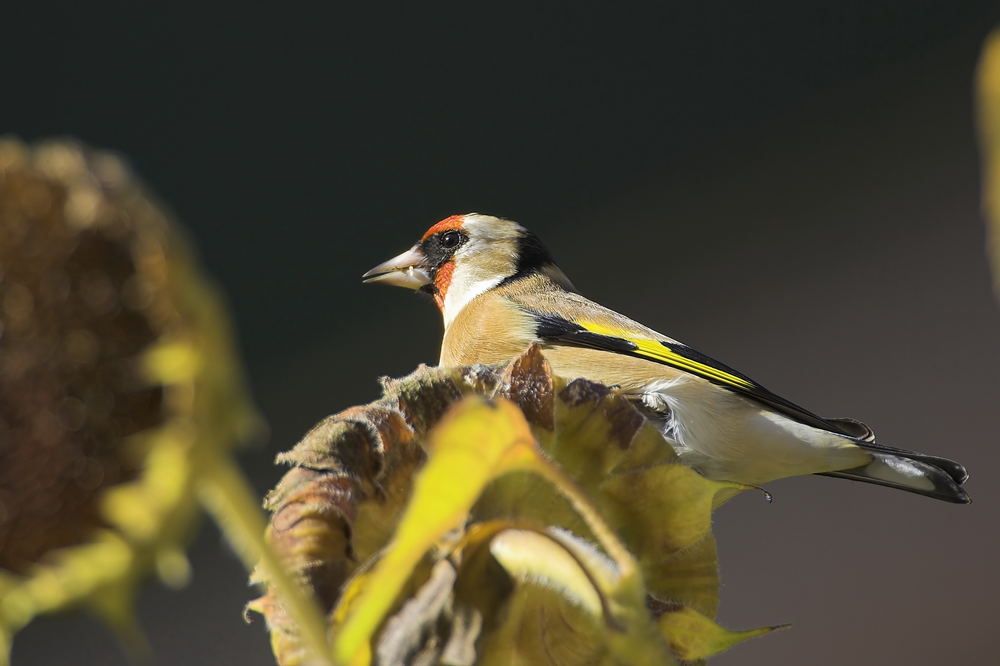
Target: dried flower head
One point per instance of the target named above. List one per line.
(497, 515)
(117, 376)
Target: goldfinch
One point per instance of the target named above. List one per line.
(499, 291)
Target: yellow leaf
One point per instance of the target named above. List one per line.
(475, 441)
(988, 85)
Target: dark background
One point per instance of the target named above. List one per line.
(791, 187)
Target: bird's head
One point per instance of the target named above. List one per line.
(463, 256)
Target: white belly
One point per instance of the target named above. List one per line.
(730, 438)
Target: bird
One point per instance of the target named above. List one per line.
(499, 291)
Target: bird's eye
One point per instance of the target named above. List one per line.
(451, 239)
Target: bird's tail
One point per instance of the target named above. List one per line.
(919, 473)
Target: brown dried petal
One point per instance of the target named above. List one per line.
(527, 381)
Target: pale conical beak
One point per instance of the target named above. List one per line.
(405, 270)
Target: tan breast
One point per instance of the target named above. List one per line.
(489, 329)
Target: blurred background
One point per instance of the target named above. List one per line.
(789, 187)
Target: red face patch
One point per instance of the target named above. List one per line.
(453, 222)
(442, 280)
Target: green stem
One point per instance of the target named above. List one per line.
(228, 497)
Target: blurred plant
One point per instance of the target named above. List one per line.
(988, 84)
(482, 515)
(120, 393)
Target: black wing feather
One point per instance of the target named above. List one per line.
(555, 329)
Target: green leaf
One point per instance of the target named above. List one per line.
(693, 636)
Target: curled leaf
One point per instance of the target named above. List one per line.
(543, 559)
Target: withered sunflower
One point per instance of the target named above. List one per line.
(120, 392)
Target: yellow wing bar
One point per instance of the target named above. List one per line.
(661, 352)
(555, 328)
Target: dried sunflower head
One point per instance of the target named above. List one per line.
(117, 374)
(497, 515)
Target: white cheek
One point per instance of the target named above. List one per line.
(465, 285)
